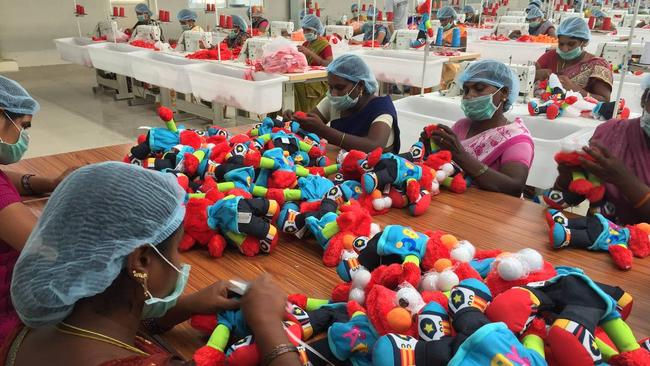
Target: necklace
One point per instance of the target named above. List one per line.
(84, 333)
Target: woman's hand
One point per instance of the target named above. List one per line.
(605, 166)
(542, 74)
(447, 140)
(264, 303)
(309, 121)
(306, 51)
(211, 300)
(568, 84)
(287, 115)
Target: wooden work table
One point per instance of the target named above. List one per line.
(488, 220)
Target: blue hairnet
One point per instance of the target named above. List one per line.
(372, 12)
(645, 83)
(351, 67)
(537, 3)
(535, 12)
(96, 217)
(354, 7)
(143, 8)
(468, 9)
(239, 22)
(15, 99)
(598, 14)
(187, 14)
(310, 21)
(446, 12)
(494, 73)
(531, 7)
(574, 27)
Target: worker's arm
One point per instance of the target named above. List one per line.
(39, 185)
(541, 73)
(16, 223)
(380, 37)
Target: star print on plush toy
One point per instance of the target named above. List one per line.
(428, 327)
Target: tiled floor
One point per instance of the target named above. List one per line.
(73, 118)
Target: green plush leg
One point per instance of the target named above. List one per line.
(200, 154)
(593, 179)
(434, 146)
(577, 174)
(225, 186)
(315, 304)
(331, 169)
(447, 182)
(219, 338)
(266, 163)
(607, 351)
(535, 343)
(196, 195)
(330, 229)
(265, 138)
(304, 146)
(301, 171)
(238, 239)
(292, 195)
(621, 334)
(259, 191)
(171, 125)
(254, 132)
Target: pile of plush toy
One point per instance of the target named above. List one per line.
(243, 190)
(556, 102)
(437, 300)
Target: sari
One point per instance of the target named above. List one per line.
(498, 146)
(8, 257)
(625, 140)
(541, 29)
(307, 95)
(580, 73)
(157, 356)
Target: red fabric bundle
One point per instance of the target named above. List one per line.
(212, 54)
(144, 44)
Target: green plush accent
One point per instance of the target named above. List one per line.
(607, 351)
(577, 174)
(301, 171)
(266, 163)
(314, 304)
(225, 186)
(535, 343)
(259, 191)
(219, 338)
(200, 154)
(621, 334)
(238, 239)
(171, 125)
(254, 132)
(331, 169)
(304, 146)
(412, 259)
(331, 229)
(292, 195)
(196, 195)
(266, 138)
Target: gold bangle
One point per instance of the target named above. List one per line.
(342, 138)
(278, 351)
(481, 171)
(642, 201)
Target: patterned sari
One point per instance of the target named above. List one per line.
(580, 73)
(308, 95)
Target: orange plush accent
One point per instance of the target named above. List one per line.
(449, 241)
(621, 256)
(442, 264)
(208, 356)
(435, 250)
(190, 138)
(299, 300)
(497, 285)
(165, 114)
(374, 156)
(399, 319)
(203, 323)
(639, 240)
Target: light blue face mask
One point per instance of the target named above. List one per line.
(12, 153)
(232, 35)
(480, 108)
(310, 37)
(344, 102)
(448, 26)
(155, 307)
(186, 27)
(645, 123)
(569, 55)
(141, 18)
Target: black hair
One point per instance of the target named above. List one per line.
(14, 116)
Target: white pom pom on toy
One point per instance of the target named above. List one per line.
(447, 280)
(511, 268)
(358, 295)
(360, 278)
(463, 252)
(429, 281)
(435, 187)
(448, 168)
(441, 175)
(382, 203)
(533, 258)
(374, 229)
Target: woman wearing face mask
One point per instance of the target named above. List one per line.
(493, 151)
(259, 24)
(536, 24)
(470, 15)
(447, 16)
(239, 34)
(84, 287)
(373, 30)
(143, 13)
(187, 18)
(17, 108)
(577, 69)
(318, 51)
(621, 152)
(351, 116)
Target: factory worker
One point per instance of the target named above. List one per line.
(239, 34)
(447, 16)
(259, 23)
(373, 30)
(17, 108)
(577, 69)
(489, 90)
(97, 271)
(187, 19)
(318, 51)
(470, 15)
(351, 116)
(144, 15)
(536, 24)
(600, 20)
(621, 152)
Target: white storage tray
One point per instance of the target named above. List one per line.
(162, 69)
(226, 85)
(74, 50)
(403, 67)
(521, 52)
(112, 57)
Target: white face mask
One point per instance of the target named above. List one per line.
(645, 123)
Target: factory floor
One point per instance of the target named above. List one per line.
(73, 118)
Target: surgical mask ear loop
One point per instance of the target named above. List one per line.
(167, 260)
(13, 123)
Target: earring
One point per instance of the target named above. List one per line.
(143, 277)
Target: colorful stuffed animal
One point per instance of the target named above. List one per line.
(425, 29)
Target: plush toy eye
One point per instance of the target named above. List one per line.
(365, 166)
(416, 152)
(222, 133)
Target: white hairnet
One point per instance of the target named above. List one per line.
(351, 67)
(187, 14)
(645, 82)
(446, 12)
(143, 8)
(575, 28)
(494, 73)
(240, 22)
(310, 21)
(15, 99)
(534, 12)
(96, 217)
(468, 9)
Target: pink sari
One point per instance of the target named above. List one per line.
(625, 140)
(490, 146)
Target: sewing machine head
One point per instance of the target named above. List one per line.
(345, 31)
(504, 29)
(107, 27)
(147, 33)
(254, 48)
(192, 40)
(402, 38)
(512, 19)
(613, 52)
(277, 28)
(520, 13)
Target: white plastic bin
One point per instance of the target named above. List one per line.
(162, 69)
(403, 67)
(112, 57)
(475, 34)
(631, 91)
(74, 50)
(521, 52)
(226, 85)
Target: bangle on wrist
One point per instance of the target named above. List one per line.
(278, 351)
(642, 201)
(24, 182)
(342, 138)
(483, 170)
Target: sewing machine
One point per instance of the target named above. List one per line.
(512, 19)
(147, 33)
(613, 52)
(506, 28)
(519, 13)
(618, 15)
(106, 28)
(525, 73)
(627, 19)
(192, 40)
(254, 48)
(278, 27)
(345, 31)
(402, 38)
